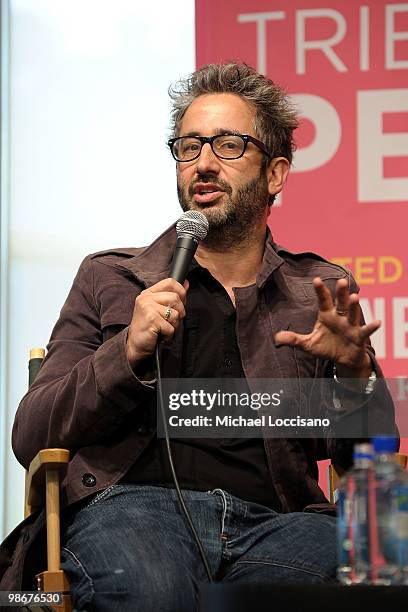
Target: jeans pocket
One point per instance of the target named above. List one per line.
(99, 496)
(82, 586)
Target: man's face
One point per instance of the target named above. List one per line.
(232, 193)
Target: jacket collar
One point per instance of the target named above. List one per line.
(152, 263)
(271, 261)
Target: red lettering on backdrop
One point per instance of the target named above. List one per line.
(346, 64)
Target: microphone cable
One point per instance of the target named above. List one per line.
(173, 471)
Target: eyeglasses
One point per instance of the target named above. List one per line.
(224, 146)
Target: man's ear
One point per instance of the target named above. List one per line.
(276, 174)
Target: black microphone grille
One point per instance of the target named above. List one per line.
(194, 223)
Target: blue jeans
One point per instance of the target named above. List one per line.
(130, 549)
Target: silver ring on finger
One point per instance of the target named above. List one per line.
(167, 314)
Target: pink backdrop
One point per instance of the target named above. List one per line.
(346, 65)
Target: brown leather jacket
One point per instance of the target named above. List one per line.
(87, 398)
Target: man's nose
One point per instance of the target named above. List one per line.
(208, 161)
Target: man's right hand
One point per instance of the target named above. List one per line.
(149, 321)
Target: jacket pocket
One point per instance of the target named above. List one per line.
(108, 331)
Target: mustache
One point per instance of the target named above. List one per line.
(210, 178)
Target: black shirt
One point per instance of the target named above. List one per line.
(210, 350)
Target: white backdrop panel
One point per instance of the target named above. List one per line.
(89, 165)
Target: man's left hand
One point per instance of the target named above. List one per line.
(338, 334)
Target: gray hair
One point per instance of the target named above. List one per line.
(276, 117)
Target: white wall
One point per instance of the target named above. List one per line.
(89, 168)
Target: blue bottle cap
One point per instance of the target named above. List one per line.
(363, 451)
(363, 456)
(385, 444)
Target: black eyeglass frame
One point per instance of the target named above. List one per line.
(210, 139)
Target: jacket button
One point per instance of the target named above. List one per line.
(88, 480)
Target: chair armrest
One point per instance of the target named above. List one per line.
(47, 459)
(335, 472)
(401, 459)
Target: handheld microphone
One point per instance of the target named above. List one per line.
(191, 228)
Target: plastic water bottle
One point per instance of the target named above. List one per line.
(373, 517)
(389, 523)
(353, 519)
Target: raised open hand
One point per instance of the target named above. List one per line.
(338, 334)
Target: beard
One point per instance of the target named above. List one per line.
(231, 222)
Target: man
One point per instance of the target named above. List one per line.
(126, 543)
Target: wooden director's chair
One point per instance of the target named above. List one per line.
(42, 484)
(42, 488)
